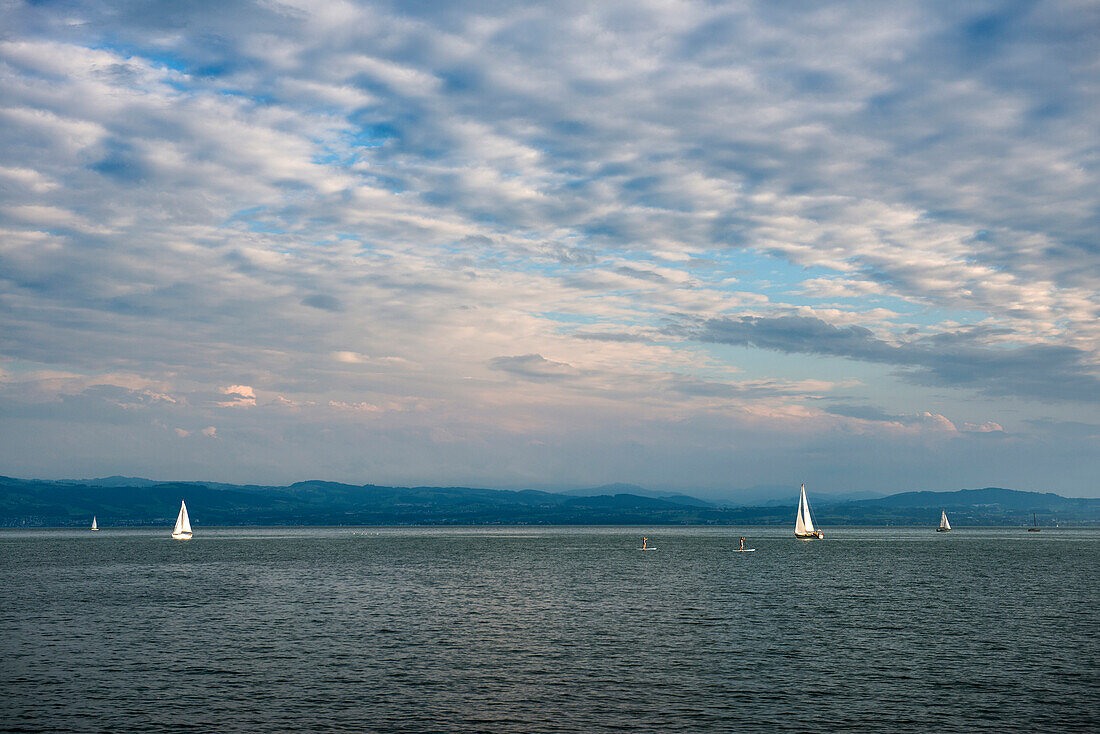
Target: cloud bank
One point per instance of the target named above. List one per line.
(551, 244)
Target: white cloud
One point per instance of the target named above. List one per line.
(987, 427)
(241, 396)
(360, 406)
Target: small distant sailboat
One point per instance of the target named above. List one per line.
(945, 527)
(95, 526)
(1034, 524)
(803, 524)
(182, 530)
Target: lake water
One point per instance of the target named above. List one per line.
(549, 630)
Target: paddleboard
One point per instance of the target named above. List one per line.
(647, 549)
(744, 550)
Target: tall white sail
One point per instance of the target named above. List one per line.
(944, 525)
(182, 530)
(94, 525)
(799, 521)
(807, 521)
(803, 525)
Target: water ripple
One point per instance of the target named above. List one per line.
(552, 630)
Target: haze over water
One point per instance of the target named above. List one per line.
(548, 630)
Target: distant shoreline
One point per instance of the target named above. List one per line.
(129, 502)
(536, 526)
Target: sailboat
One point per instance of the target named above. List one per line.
(182, 530)
(94, 525)
(945, 527)
(1034, 524)
(803, 525)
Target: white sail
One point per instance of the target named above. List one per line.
(182, 528)
(803, 525)
(806, 510)
(799, 523)
(94, 525)
(944, 525)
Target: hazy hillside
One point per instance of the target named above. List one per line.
(144, 502)
(619, 488)
(988, 506)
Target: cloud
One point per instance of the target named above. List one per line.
(987, 427)
(403, 204)
(241, 396)
(324, 302)
(747, 388)
(840, 288)
(863, 412)
(360, 406)
(963, 358)
(385, 363)
(923, 420)
(618, 336)
(209, 432)
(534, 367)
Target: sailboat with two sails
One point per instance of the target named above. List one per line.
(803, 524)
(182, 530)
(945, 527)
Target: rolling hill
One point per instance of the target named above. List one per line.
(132, 501)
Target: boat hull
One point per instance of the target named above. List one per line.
(943, 530)
(182, 536)
(810, 536)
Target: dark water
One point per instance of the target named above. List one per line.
(549, 630)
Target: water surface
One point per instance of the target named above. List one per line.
(549, 630)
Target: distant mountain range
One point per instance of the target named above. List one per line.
(633, 489)
(133, 501)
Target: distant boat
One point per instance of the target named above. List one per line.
(803, 524)
(1034, 524)
(945, 527)
(182, 530)
(94, 525)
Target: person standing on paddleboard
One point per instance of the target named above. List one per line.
(742, 543)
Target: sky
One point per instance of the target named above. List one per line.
(698, 246)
